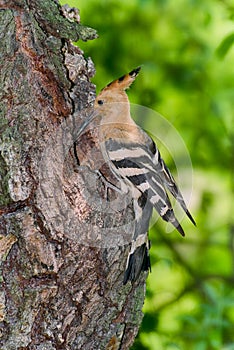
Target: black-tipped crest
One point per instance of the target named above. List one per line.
(124, 81)
(135, 72)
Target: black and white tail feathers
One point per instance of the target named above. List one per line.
(138, 261)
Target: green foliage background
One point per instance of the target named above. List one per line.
(186, 50)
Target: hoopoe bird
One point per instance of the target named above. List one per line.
(135, 161)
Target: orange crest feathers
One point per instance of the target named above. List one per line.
(125, 81)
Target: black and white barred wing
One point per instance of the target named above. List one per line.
(135, 163)
(170, 184)
(146, 175)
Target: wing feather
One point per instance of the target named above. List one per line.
(142, 173)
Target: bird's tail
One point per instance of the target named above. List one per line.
(138, 260)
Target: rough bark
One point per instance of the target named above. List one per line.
(62, 251)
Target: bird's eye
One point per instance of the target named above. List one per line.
(100, 102)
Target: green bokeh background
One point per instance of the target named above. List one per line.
(186, 51)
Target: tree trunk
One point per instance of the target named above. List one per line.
(63, 247)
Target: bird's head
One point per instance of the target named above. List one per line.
(113, 98)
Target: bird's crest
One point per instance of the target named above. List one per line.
(125, 81)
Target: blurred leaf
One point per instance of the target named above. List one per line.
(150, 322)
(225, 45)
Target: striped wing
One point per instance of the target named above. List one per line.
(170, 183)
(135, 163)
(144, 171)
